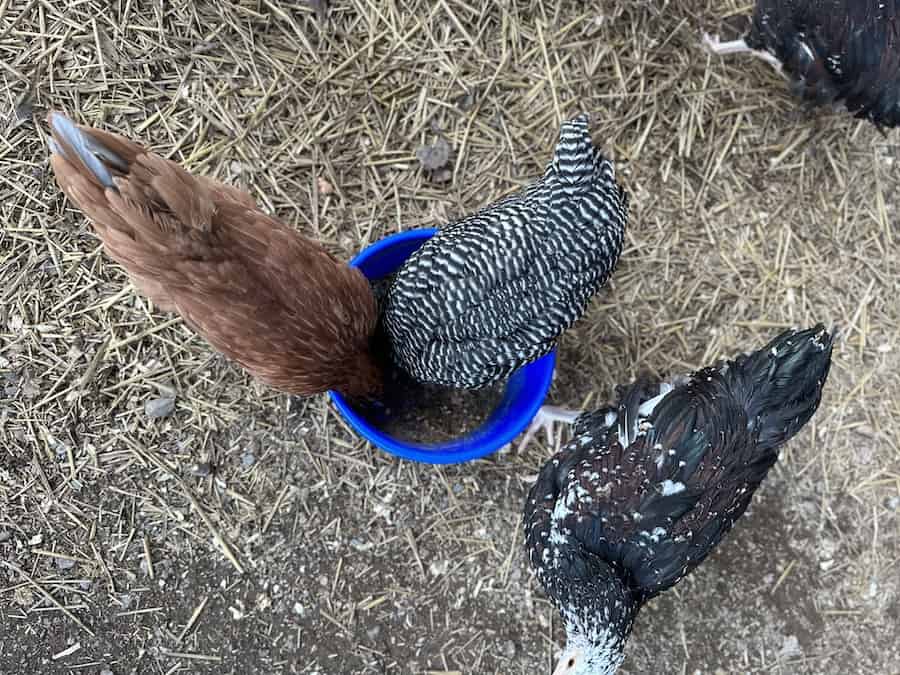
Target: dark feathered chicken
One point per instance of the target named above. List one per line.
(833, 51)
(646, 489)
(257, 291)
(494, 291)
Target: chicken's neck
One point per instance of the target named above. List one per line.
(598, 611)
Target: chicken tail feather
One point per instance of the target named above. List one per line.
(121, 185)
(573, 158)
(780, 386)
(77, 145)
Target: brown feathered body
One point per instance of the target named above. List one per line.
(274, 301)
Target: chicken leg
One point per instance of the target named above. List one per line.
(715, 46)
(544, 419)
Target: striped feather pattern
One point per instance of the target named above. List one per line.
(494, 291)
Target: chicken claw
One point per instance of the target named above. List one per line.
(715, 46)
(544, 419)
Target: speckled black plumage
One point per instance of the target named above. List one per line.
(836, 51)
(494, 291)
(646, 489)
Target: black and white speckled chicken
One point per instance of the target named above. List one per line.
(646, 489)
(833, 52)
(494, 291)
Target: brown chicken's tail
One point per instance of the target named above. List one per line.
(118, 183)
(135, 198)
(99, 155)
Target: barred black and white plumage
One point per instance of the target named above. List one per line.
(494, 291)
(833, 51)
(647, 489)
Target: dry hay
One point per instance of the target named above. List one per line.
(247, 532)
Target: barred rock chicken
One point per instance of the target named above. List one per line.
(833, 51)
(257, 291)
(494, 291)
(647, 489)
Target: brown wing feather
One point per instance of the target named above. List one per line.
(274, 301)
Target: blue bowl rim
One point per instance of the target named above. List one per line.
(538, 375)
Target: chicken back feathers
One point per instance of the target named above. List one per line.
(836, 51)
(494, 291)
(274, 301)
(648, 488)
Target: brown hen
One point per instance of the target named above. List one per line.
(274, 301)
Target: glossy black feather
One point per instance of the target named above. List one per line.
(647, 496)
(836, 51)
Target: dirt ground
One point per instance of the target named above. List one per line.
(244, 532)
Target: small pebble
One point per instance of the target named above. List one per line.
(790, 647)
(4, 536)
(24, 111)
(872, 593)
(466, 101)
(106, 671)
(324, 186)
(248, 460)
(434, 157)
(202, 469)
(159, 407)
(439, 567)
(64, 563)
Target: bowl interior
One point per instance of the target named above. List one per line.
(525, 390)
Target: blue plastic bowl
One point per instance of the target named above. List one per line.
(525, 389)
